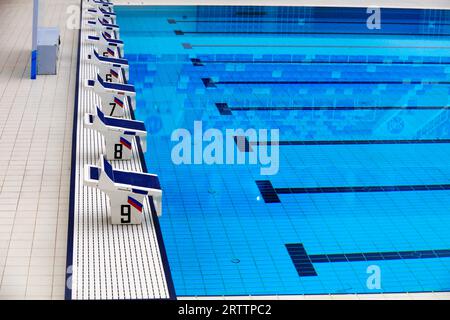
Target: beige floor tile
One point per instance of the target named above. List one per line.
(29, 167)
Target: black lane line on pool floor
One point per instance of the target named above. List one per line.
(344, 142)
(246, 146)
(299, 33)
(270, 194)
(303, 261)
(210, 83)
(225, 110)
(362, 22)
(197, 62)
(187, 45)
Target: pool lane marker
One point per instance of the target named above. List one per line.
(299, 33)
(363, 22)
(210, 83)
(197, 62)
(187, 45)
(270, 194)
(225, 110)
(244, 141)
(242, 144)
(246, 146)
(303, 262)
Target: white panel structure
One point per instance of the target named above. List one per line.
(108, 261)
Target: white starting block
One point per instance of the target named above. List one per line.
(126, 191)
(113, 95)
(101, 24)
(118, 133)
(102, 13)
(106, 44)
(109, 68)
(100, 8)
(100, 4)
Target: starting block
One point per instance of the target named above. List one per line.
(107, 5)
(113, 95)
(109, 68)
(118, 133)
(110, 16)
(106, 44)
(102, 24)
(100, 8)
(126, 190)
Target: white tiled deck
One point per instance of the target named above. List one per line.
(36, 140)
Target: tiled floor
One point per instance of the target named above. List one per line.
(35, 136)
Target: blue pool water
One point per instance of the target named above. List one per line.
(364, 164)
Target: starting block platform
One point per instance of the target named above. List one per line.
(106, 260)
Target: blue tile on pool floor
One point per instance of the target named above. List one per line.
(220, 235)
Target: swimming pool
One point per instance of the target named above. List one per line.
(364, 178)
